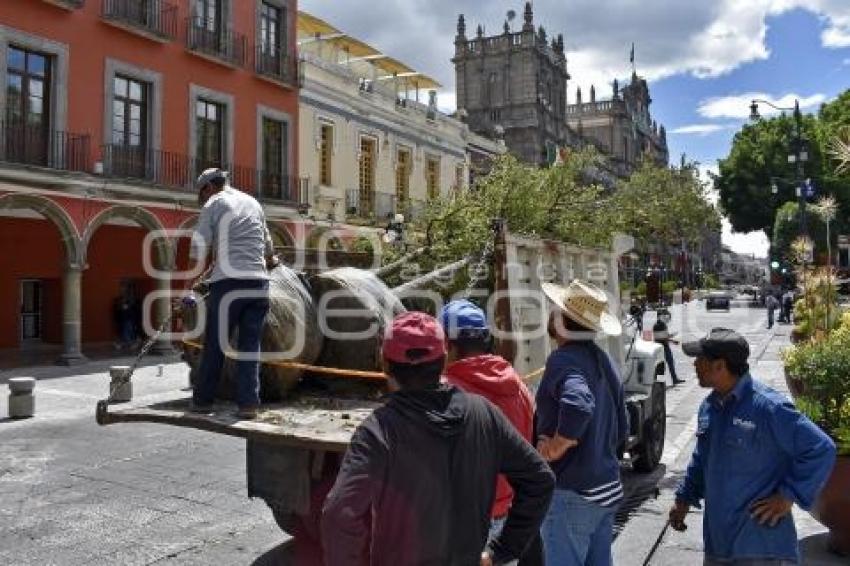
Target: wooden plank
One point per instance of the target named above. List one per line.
(308, 422)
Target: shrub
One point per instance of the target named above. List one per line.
(823, 367)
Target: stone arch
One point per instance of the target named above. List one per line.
(164, 248)
(280, 235)
(55, 214)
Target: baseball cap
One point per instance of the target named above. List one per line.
(414, 338)
(463, 318)
(720, 343)
(209, 175)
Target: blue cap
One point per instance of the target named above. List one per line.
(463, 318)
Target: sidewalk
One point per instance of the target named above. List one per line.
(646, 540)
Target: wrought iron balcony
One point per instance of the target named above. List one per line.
(377, 206)
(27, 145)
(276, 63)
(153, 17)
(179, 171)
(207, 38)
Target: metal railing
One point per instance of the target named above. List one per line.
(276, 63)
(154, 16)
(28, 145)
(178, 171)
(208, 38)
(385, 205)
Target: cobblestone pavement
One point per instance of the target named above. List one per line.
(72, 492)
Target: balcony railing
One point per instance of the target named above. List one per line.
(382, 205)
(207, 38)
(153, 16)
(276, 63)
(28, 145)
(179, 171)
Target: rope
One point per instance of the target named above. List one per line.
(352, 373)
(373, 375)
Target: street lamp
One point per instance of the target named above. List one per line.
(799, 157)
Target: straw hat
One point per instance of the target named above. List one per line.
(586, 304)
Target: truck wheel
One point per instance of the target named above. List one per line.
(647, 454)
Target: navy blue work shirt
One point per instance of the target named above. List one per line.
(752, 444)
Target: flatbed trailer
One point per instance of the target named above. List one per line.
(294, 448)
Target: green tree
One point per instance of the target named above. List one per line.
(786, 230)
(759, 154)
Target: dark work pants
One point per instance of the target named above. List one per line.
(668, 357)
(248, 314)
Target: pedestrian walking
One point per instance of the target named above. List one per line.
(581, 422)
(662, 335)
(474, 369)
(787, 306)
(232, 234)
(756, 456)
(771, 303)
(418, 481)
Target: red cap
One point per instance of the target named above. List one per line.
(414, 338)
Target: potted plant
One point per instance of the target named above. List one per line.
(822, 368)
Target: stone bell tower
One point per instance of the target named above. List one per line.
(516, 82)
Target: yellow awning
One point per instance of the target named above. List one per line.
(309, 25)
(311, 28)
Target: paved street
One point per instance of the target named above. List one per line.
(72, 492)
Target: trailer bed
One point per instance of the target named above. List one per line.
(308, 421)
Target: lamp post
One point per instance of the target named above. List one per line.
(799, 156)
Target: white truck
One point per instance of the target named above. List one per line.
(295, 446)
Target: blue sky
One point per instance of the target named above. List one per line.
(704, 59)
(798, 63)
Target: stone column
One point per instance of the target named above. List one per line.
(72, 317)
(162, 312)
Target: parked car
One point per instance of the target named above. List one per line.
(718, 300)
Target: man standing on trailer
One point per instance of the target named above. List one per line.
(232, 233)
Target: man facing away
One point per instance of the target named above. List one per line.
(232, 231)
(581, 423)
(472, 368)
(418, 481)
(756, 456)
(771, 303)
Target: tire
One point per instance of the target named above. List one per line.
(647, 455)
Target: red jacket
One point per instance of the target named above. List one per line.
(495, 379)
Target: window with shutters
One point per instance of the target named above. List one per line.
(367, 175)
(432, 177)
(325, 155)
(209, 124)
(27, 106)
(402, 175)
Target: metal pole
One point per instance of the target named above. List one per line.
(798, 143)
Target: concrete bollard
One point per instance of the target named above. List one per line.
(120, 386)
(21, 398)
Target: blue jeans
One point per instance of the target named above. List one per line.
(248, 314)
(577, 532)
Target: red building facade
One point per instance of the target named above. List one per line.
(110, 108)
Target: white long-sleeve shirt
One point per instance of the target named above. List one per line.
(233, 224)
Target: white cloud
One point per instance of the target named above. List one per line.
(755, 243)
(705, 39)
(846, 62)
(701, 129)
(738, 105)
